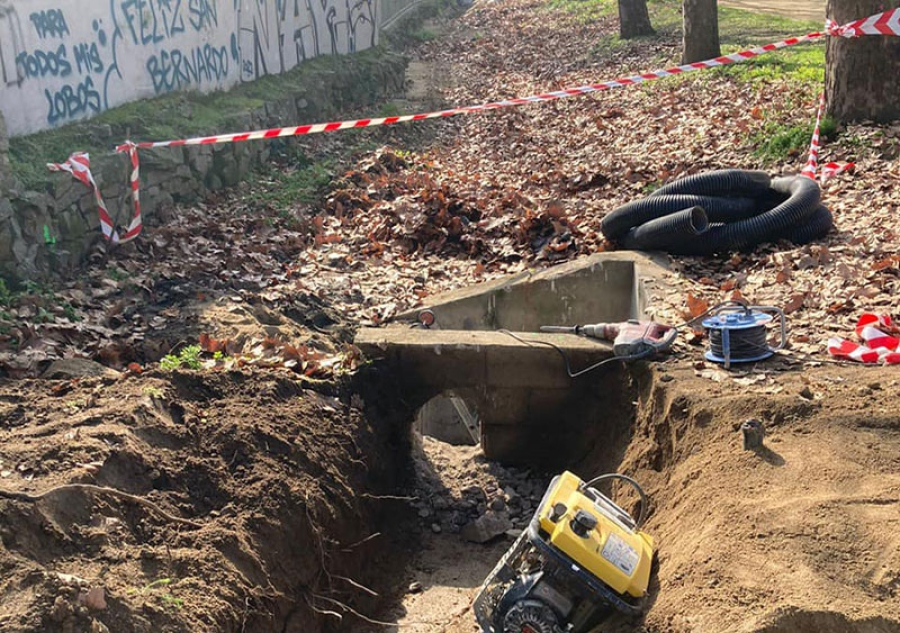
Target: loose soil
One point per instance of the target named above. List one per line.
(269, 502)
(233, 501)
(278, 489)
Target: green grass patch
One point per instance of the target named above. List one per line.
(777, 141)
(423, 35)
(389, 109)
(747, 28)
(188, 358)
(284, 188)
(740, 30)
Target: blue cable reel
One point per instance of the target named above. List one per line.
(739, 334)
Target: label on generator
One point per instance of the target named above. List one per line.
(620, 554)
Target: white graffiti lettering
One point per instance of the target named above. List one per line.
(71, 59)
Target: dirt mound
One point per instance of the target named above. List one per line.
(806, 525)
(190, 502)
(798, 621)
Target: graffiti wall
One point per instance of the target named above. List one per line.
(65, 60)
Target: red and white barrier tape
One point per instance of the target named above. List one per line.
(79, 165)
(829, 170)
(877, 347)
(882, 24)
(495, 105)
(886, 23)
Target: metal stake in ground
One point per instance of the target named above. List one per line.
(754, 432)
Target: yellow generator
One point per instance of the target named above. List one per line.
(581, 557)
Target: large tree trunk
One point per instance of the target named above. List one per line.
(862, 75)
(634, 19)
(701, 31)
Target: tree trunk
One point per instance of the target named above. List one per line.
(862, 74)
(701, 31)
(634, 19)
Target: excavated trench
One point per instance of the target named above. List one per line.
(272, 504)
(721, 515)
(309, 499)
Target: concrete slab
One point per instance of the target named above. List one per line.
(459, 359)
(606, 287)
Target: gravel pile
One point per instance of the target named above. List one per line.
(458, 491)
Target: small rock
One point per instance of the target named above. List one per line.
(875, 386)
(70, 579)
(436, 528)
(68, 368)
(414, 587)
(666, 378)
(806, 393)
(498, 504)
(475, 492)
(486, 528)
(98, 627)
(94, 599)
(440, 503)
(424, 513)
(62, 609)
(514, 533)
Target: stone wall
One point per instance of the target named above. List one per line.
(66, 60)
(51, 228)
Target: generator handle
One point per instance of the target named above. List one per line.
(644, 503)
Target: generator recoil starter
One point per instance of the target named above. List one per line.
(581, 559)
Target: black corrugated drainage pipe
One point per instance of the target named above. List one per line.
(721, 211)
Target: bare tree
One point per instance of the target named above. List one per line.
(634, 20)
(701, 31)
(862, 75)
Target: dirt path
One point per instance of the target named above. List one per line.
(812, 10)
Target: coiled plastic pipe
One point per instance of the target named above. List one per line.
(721, 211)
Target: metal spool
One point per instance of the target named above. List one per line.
(738, 334)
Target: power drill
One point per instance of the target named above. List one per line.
(630, 339)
